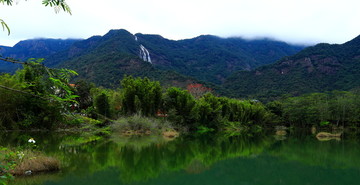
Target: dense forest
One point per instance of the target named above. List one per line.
(36, 102)
(320, 68)
(105, 59)
(40, 97)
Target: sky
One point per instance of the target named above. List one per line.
(292, 21)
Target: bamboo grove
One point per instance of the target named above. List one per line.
(36, 97)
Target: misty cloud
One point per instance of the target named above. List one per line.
(294, 21)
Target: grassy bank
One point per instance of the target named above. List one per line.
(20, 162)
(140, 125)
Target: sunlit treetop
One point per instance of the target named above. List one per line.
(57, 4)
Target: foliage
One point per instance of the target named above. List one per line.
(211, 111)
(79, 121)
(15, 161)
(320, 68)
(208, 111)
(35, 96)
(324, 123)
(7, 163)
(4, 26)
(139, 123)
(217, 112)
(338, 108)
(141, 95)
(58, 5)
(82, 90)
(102, 105)
(179, 104)
(197, 90)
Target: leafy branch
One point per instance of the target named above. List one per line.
(58, 5)
(11, 60)
(45, 83)
(4, 26)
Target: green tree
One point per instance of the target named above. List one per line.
(208, 111)
(102, 105)
(340, 108)
(179, 104)
(141, 95)
(35, 96)
(82, 90)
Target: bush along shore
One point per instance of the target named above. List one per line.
(37, 97)
(26, 160)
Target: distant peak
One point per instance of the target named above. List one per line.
(207, 37)
(357, 38)
(117, 32)
(356, 41)
(149, 35)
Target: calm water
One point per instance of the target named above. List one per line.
(249, 159)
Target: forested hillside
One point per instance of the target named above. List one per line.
(105, 59)
(323, 67)
(34, 48)
(211, 58)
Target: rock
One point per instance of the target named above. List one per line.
(28, 172)
(170, 134)
(281, 132)
(327, 135)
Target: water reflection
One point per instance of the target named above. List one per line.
(204, 159)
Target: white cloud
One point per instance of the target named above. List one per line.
(297, 21)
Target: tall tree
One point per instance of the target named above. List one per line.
(141, 95)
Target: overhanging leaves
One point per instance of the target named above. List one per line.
(4, 26)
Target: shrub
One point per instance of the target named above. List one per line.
(140, 124)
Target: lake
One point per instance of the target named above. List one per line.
(209, 159)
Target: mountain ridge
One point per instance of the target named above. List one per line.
(221, 56)
(323, 67)
(206, 57)
(32, 48)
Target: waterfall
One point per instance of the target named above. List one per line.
(144, 54)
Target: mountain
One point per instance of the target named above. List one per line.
(34, 48)
(104, 60)
(320, 68)
(207, 57)
(211, 58)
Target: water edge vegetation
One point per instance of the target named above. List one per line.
(37, 97)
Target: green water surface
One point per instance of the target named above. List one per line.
(207, 159)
